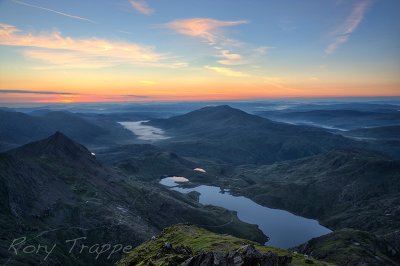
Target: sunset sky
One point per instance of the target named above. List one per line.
(155, 50)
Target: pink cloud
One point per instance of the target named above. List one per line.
(142, 7)
(342, 34)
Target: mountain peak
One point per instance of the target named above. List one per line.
(57, 146)
(219, 108)
(210, 118)
(221, 114)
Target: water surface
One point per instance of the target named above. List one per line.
(284, 229)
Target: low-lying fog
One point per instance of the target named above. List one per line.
(145, 132)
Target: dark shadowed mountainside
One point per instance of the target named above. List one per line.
(55, 190)
(352, 247)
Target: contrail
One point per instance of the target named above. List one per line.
(54, 11)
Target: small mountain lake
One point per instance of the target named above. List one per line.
(284, 229)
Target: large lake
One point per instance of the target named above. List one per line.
(284, 229)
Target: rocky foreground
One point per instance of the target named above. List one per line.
(187, 245)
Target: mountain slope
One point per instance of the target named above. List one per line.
(351, 247)
(230, 135)
(342, 188)
(55, 190)
(19, 128)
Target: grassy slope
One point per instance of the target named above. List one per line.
(199, 240)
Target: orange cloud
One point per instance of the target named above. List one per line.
(230, 58)
(141, 6)
(58, 49)
(204, 28)
(227, 71)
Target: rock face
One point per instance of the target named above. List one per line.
(245, 256)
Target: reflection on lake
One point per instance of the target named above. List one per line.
(283, 228)
(145, 132)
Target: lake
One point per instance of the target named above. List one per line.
(145, 132)
(284, 229)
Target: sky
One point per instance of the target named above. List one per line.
(185, 50)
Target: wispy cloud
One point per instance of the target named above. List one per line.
(53, 11)
(342, 34)
(229, 58)
(247, 56)
(149, 82)
(84, 52)
(204, 28)
(38, 92)
(142, 6)
(228, 51)
(137, 96)
(227, 71)
(69, 59)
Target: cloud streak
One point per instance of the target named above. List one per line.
(57, 49)
(227, 72)
(229, 58)
(38, 92)
(342, 34)
(142, 7)
(53, 11)
(204, 28)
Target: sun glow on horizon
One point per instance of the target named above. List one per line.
(170, 55)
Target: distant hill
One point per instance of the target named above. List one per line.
(339, 118)
(18, 128)
(383, 107)
(54, 190)
(231, 135)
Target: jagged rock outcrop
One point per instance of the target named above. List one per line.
(247, 255)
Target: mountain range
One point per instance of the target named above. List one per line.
(337, 118)
(54, 190)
